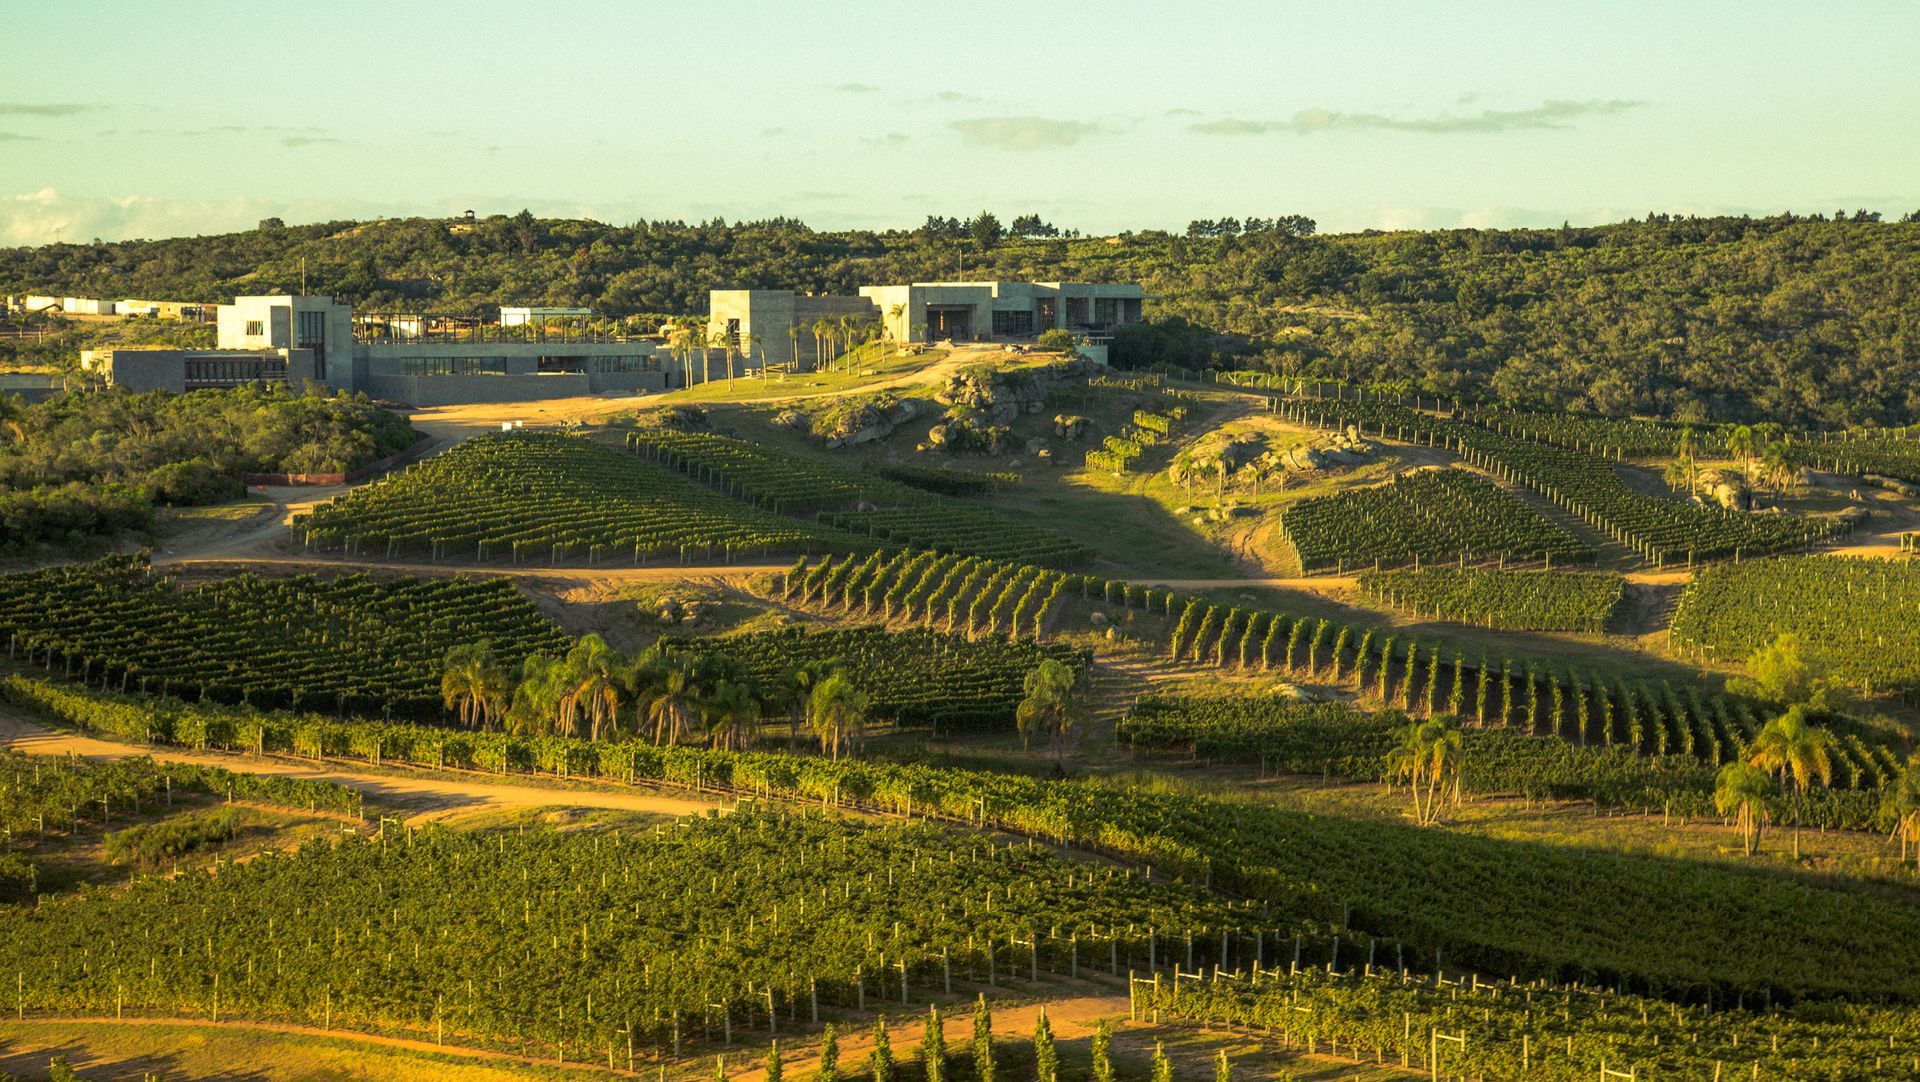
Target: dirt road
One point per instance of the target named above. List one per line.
(607, 572)
(423, 796)
(30, 1041)
(283, 1050)
(1352, 582)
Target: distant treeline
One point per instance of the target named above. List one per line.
(1804, 320)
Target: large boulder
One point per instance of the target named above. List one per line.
(1723, 488)
(850, 423)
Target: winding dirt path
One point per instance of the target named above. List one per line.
(1073, 1013)
(454, 1051)
(1352, 582)
(325, 562)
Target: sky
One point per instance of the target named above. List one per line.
(177, 117)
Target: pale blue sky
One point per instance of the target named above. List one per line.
(167, 117)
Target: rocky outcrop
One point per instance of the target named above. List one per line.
(852, 423)
(1723, 488)
(1347, 448)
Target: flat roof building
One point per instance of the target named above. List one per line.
(776, 326)
(983, 311)
(301, 339)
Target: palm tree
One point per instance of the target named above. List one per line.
(1679, 473)
(732, 713)
(724, 343)
(755, 349)
(837, 713)
(1053, 705)
(1797, 752)
(793, 341)
(1901, 803)
(1687, 455)
(849, 333)
(680, 344)
(703, 341)
(1429, 753)
(475, 682)
(1741, 790)
(672, 700)
(790, 689)
(1741, 445)
(1775, 470)
(822, 330)
(536, 697)
(593, 686)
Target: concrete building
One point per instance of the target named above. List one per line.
(32, 386)
(432, 373)
(189, 310)
(316, 324)
(81, 306)
(983, 311)
(782, 320)
(147, 368)
(776, 326)
(299, 340)
(521, 317)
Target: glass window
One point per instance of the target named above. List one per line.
(1013, 324)
(313, 329)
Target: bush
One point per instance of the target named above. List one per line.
(1057, 338)
(152, 844)
(193, 483)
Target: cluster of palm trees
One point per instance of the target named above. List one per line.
(835, 340)
(1055, 706)
(597, 692)
(1761, 449)
(688, 337)
(692, 342)
(1790, 748)
(1430, 755)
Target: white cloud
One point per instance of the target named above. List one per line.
(1023, 132)
(1554, 114)
(36, 108)
(38, 217)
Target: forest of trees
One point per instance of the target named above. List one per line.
(1800, 319)
(86, 463)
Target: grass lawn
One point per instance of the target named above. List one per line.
(238, 511)
(861, 370)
